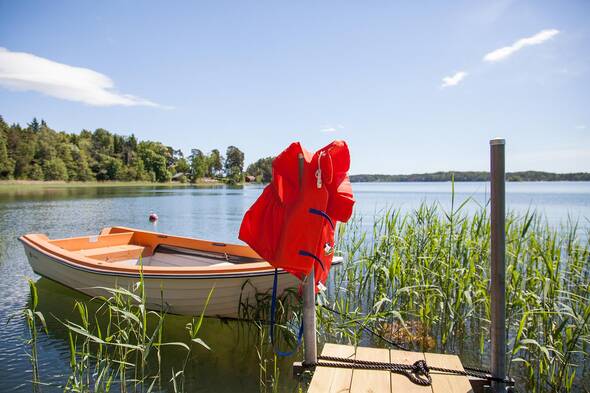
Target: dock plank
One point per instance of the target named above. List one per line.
(447, 382)
(401, 383)
(342, 380)
(331, 379)
(374, 381)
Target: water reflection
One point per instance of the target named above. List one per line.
(228, 367)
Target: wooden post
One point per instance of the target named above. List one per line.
(498, 262)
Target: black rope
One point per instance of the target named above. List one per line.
(417, 372)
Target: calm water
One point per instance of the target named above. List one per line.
(211, 213)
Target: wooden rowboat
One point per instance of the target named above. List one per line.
(179, 271)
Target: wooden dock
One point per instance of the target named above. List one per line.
(340, 380)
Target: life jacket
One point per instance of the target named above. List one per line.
(292, 223)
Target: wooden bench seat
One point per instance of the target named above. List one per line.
(113, 253)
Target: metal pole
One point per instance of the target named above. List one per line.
(498, 262)
(309, 317)
(309, 322)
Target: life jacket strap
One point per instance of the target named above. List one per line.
(304, 253)
(323, 214)
(273, 307)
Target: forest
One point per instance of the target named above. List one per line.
(37, 152)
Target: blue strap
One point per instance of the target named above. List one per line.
(304, 253)
(273, 306)
(323, 214)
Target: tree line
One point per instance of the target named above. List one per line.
(37, 152)
(472, 176)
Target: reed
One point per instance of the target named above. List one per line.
(119, 347)
(423, 278)
(35, 321)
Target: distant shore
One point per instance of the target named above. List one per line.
(470, 176)
(528, 176)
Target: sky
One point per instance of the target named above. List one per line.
(411, 86)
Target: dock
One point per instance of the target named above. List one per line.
(329, 379)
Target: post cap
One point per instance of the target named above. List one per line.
(497, 141)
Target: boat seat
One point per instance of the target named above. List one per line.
(113, 253)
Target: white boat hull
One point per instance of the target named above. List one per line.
(186, 295)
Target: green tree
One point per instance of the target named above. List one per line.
(198, 164)
(261, 169)
(55, 169)
(114, 169)
(153, 155)
(234, 165)
(83, 171)
(34, 125)
(6, 163)
(215, 163)
(182, 166)
(35, 172)
(103, 142)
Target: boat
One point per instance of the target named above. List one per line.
(178, 272)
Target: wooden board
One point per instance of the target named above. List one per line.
(401, 383)
(451, 383)
(330, 379)
(340, 380)
(371, 380)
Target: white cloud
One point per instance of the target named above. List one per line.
(454, 79)
(505, 52)
(581, 127)
(25, 71)
(330, 128)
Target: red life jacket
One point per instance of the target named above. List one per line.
(292, 223)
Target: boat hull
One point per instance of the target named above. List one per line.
(184, 294)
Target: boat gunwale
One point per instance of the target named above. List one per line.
(137, 272)
(42, 244)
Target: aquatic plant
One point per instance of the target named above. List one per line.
(423, 278)
(33, 318)
(120, 343)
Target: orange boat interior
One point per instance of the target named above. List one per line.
(129, 247)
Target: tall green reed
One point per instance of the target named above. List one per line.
(35, 321)
(119, 347)
(426, 273)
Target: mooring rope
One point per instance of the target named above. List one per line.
(418, 372)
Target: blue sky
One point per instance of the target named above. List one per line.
(411, 86)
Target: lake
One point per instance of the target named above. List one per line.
(213, 213)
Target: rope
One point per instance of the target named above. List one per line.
(273, 306)
(418, 372)
(414, 372)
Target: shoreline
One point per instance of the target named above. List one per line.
(32, 184)
(13, 184)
